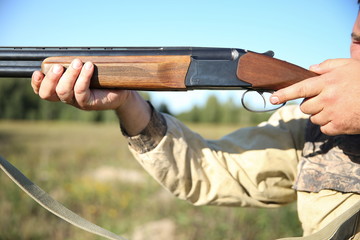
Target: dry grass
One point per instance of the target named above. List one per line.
(89, 169)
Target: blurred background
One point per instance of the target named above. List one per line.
(80, 157)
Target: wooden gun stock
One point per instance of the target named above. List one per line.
(132, 72)
(264, 72)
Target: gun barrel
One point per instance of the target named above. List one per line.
(22, 61)
(17, 72)
(18, 68)
(40, 53)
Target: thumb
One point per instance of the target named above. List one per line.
(328, 65)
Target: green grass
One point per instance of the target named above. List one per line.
(74, 162)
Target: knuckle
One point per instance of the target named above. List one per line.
(79, 90)
(45, 95)
(35, 88)
(303, 91)
(314, 119)
(303, 108)
(61, 92)
(331, 79)
(84, 106)
(327, 130)
(329, 96)
(334, 128)
(342, 126)
(303, 105)
(327, 62)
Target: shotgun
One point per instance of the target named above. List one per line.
(160, 68)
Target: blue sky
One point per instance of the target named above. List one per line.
(302, 32)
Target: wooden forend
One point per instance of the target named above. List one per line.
(132, 72)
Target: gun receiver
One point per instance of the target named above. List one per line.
(161, 68)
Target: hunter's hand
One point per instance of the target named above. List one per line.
(332, 99)
(72, 87)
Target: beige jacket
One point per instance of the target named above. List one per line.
(251, 167)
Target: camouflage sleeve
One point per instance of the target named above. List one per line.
(149, 137)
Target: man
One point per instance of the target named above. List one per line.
(277, 162)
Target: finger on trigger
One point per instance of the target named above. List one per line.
(304, 89)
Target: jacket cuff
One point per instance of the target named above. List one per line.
(151, 135)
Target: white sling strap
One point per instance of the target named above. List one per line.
(52, 205)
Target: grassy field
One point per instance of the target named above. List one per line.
(89, 169)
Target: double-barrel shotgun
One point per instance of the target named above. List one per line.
(163, 68)
(160, 68)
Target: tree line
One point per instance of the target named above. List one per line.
(18, 102)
